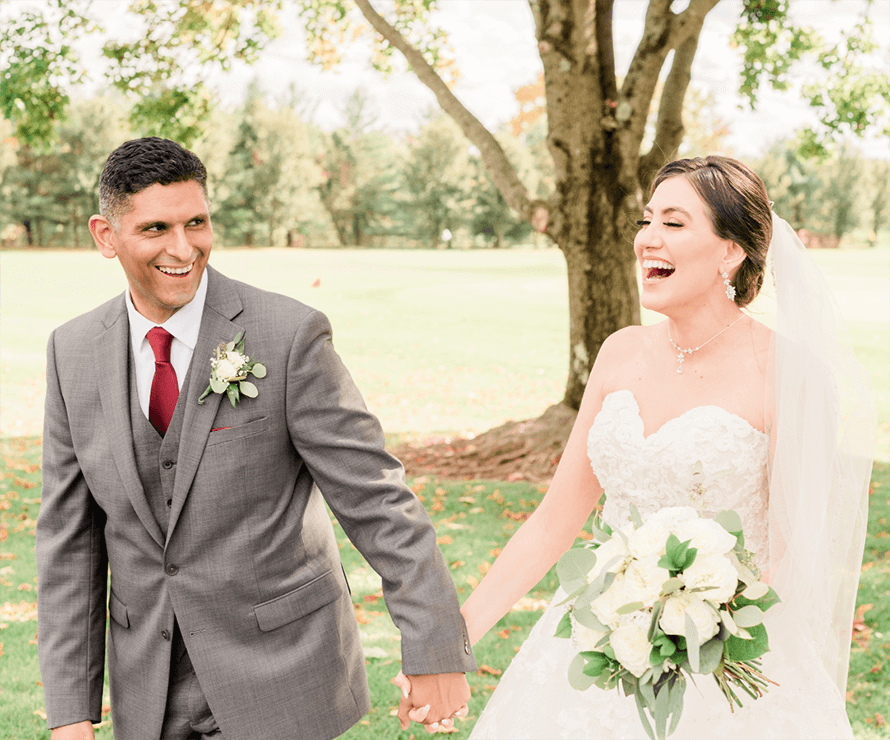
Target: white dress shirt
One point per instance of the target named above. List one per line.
(184, 325)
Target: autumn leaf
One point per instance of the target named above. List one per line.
(504, 634)
(445, 539)
(456, 564)
(487, 670)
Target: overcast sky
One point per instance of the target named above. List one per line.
(496, 52)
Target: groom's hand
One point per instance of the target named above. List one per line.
(77, 731)
(433, 699)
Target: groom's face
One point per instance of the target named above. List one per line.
(163, 243)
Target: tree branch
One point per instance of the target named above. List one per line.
(669, 130)
(502, 172)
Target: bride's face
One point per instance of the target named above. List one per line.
(680, 256)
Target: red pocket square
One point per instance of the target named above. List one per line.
(219, 429)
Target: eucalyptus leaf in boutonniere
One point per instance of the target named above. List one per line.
(229, 370)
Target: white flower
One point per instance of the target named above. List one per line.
(671, 516)
(586, 638)
(714, 572)
(605, 605)
(632, 648)
(643, 580)
(608, 551)
(673, 616)
(227, 367)
(648, 539)
(708, 537)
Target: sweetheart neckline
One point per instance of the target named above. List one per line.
(647, 437)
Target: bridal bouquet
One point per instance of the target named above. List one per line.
(662, 598)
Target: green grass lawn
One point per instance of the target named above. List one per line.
(439, 342)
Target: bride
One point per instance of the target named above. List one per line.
(788, 413)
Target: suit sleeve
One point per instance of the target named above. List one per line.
(72, 569)
(342, 444)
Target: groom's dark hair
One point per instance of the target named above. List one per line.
(140, 163)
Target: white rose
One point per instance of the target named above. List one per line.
(605, 605)
(708, 537)
(632, 648)
(671, 516)
(673, 616)
(606, 552)
(586, 638)
(714, 572)
(226, 370)
(648, 540)
(643, 580)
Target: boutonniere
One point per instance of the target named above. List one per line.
(229, 368)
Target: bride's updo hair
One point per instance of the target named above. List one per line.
(736, 201)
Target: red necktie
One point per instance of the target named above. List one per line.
(164, 387)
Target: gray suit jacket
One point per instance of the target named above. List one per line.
(249, 564)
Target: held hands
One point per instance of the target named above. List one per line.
(433, 700)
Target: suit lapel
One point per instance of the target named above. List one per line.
(111, 357)
(222, 305)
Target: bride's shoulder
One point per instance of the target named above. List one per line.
(630, 340)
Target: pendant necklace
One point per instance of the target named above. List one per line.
(682, 352)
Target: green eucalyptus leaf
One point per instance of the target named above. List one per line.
(671, 585)
(710, 655)
(573, 567)
(730, 521)
(230, 346)
(596, 663)
(692, 646)
(584, 616)
(756, 590)
(258, 369)
(239, 337)
(635, 516)
(763, 603)
(234, 396)
(656, 613)
(248, 389)
(564, 628)
(677, 692)
(747, 616)
(662, 711)
(577, 678)
(643, 718)
(218, 386)
(737, 649)
(631, 607)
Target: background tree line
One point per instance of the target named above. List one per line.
(277, 179)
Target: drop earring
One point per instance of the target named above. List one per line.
(730, 288)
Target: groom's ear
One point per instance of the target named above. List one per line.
(104, 236)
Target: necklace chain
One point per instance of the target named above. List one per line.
(689, 351)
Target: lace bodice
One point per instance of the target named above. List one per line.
(658, 471)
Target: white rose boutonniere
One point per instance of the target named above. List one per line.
(229, 368)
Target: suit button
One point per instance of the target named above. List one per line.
(172, 569)
(165, 634)
(168, 464)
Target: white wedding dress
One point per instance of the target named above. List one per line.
(534, 698)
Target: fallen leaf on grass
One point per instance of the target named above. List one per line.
(528, 604)
(504, 634)
(4, 533)
(472, 582)
(445, 539)
(487, 670)
(879, 720)
(40, 713)
(457, 564)
(861, 631)
(513, 477)
(24, 611)
(467, 500)
(8, 556)
(25, 587)
(484, 567)
(516, 516)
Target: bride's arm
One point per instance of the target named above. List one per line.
(547, 533)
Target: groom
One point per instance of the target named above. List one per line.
(230, 614)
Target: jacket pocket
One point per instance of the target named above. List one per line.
(298, 603)
(241, 431)
(118, 610)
